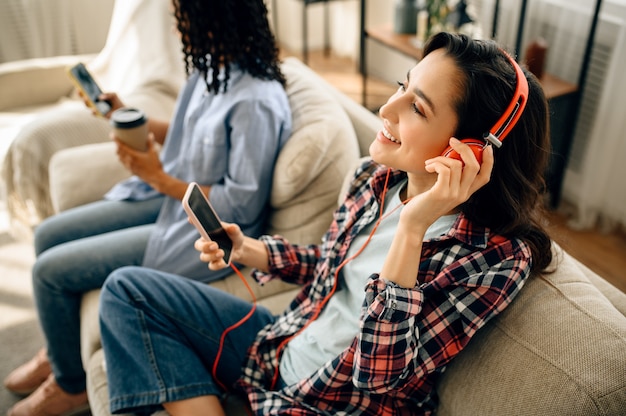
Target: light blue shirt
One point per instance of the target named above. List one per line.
(337, 325)
(229, 141)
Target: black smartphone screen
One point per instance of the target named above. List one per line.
(209, 221)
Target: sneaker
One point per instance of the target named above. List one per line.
(50, 400)
(26, 378)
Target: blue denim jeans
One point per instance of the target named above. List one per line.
(161, 335)
(76, 250)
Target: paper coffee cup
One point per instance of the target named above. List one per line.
(131, 127)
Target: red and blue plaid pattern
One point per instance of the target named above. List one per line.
(407, 336)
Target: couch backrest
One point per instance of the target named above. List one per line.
(365, 123)
(308, 175)
(559, 348)
(309, 169)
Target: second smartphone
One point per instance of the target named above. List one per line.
(205, 219)
(88, 86)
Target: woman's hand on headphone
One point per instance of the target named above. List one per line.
(213, 255)
(456, 182)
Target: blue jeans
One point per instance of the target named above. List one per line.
(76, 250)
(161, 335)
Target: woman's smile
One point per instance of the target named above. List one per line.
(390, 136)
(384, 135)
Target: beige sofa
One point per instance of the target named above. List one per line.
(559, 349)
(40, 112)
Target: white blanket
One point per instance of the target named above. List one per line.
(141, 61)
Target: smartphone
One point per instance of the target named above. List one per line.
(88, 86)
(205, 219)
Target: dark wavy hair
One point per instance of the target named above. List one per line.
(512, 203)
(216, 33)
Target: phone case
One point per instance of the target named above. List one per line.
(83, 80)
(205, 219)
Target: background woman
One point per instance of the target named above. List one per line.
(230, 122)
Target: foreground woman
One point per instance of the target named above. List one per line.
(424, 250)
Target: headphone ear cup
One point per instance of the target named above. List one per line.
(476, 145)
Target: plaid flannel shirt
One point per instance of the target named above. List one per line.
(407, 336)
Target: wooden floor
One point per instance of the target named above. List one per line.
(603, 253)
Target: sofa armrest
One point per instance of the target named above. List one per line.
(613, 294)
(36, 81)
(558, 348)
(83, 174)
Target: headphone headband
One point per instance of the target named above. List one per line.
(515, 109)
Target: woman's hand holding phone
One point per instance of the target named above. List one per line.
(114, 100)
(110, 97)
(219, 244)
(211, 253)
(100, 104)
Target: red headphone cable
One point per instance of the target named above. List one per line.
(318, 309)
(233, 326)
(320, 306)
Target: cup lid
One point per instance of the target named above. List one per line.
(127, 117)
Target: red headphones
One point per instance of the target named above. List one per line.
(505, 124)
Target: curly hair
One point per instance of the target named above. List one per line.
(512, 203)
(217, 33)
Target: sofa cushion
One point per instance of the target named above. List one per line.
(307, 178)
(309, 169)
(560, 345)
(69, 190)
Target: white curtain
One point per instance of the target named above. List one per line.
(42, 28)
(142, 50)
(595, 184)
(601, 182)
(594, 187)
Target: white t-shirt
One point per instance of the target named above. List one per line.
(338, 323)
